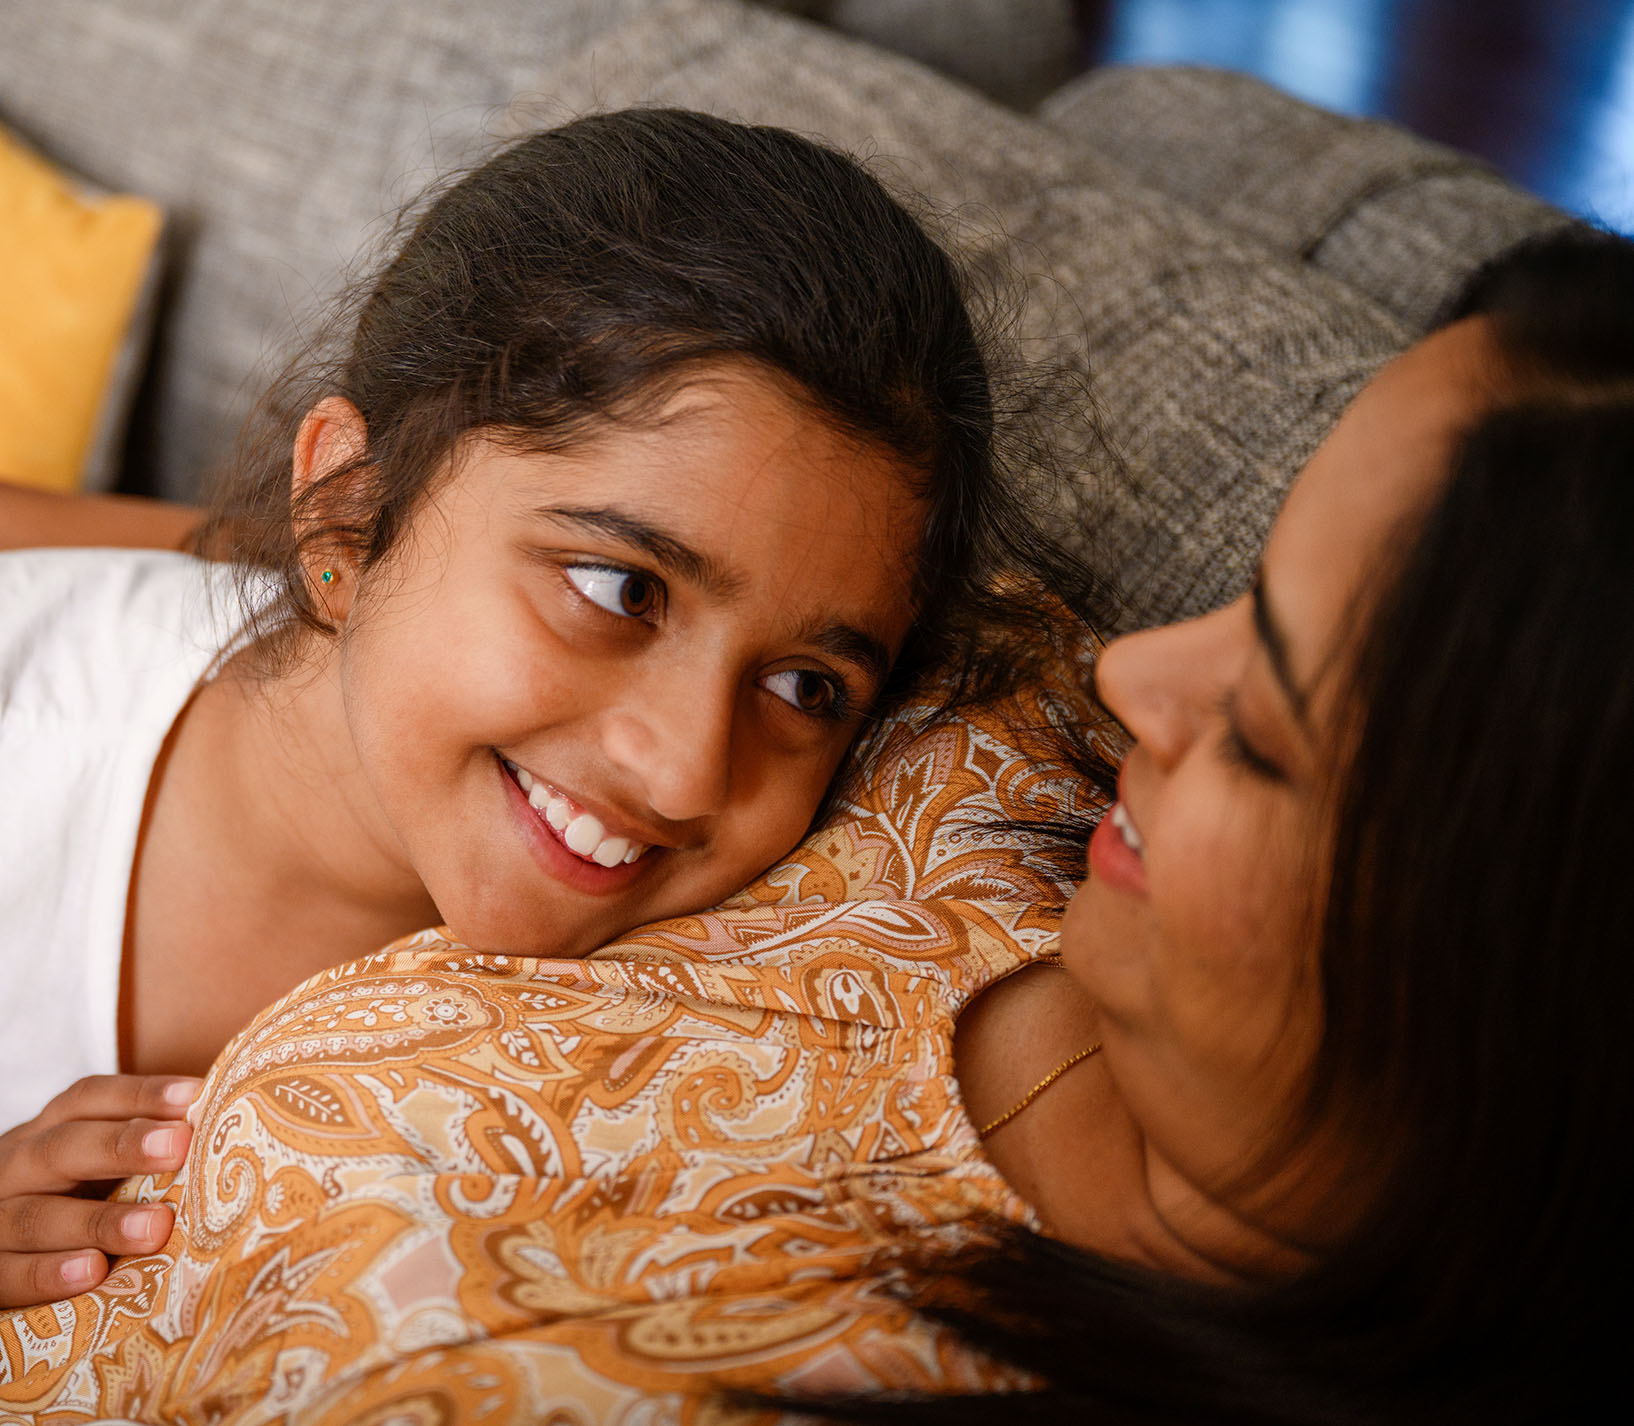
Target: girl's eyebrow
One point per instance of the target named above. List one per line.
(1276, 648)
(854, 646)
(673, 556)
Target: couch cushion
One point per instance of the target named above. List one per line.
(275, 136)
(1217, 366)
(1400, 218)
(1015, 50)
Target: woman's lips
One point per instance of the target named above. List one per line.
(1126, 825)
(1115, 852)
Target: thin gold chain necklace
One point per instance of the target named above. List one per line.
(1054, 962)
(1038, 1089)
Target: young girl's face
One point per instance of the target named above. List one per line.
(591, 689)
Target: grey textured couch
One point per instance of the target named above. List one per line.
(1231, 264)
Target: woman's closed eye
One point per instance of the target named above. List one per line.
(625, 593)
(820, 695)
(1237, 748)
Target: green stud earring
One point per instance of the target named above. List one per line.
(328, 576)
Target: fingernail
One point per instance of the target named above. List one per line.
(79, 1272)
(142, 1226)
(182, 1092)
(164, 1143)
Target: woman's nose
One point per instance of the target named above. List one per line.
(676, 744)
(1162, 684)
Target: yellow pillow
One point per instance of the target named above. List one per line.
(72, 270)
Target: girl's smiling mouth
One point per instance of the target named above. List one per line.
(573, 829)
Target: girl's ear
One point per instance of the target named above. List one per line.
(332, 436)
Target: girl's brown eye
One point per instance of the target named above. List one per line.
(637, 596)
(624, 593)
(811, 692)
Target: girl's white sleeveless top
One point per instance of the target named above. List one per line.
(99, 652)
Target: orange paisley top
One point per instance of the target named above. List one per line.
(438, 1186)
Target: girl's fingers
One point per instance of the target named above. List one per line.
(102, 1127)
(58, 1158)
(27, 1279)
(122, 1096)
(39, 1223)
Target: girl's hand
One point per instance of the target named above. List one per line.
(52, 1243)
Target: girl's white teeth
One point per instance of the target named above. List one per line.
(1120, 820)
(611, 852)
(583, 833)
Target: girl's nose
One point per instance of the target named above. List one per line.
(1163, 684)
(676, 744)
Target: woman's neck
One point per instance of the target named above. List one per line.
(261, 861)
(1077, 1155)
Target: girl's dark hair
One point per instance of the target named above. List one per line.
(1478, 946)
(580, 275)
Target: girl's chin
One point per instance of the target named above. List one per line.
(547, 938)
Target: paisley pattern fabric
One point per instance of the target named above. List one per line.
(439, 1186)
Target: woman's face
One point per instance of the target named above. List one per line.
(596, 688)
(1197, 929)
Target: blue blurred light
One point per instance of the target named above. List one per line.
(1601, 181)
(1328, 52)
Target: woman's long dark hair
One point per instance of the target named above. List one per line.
(1478, 968)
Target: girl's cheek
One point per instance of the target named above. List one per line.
(510, 655)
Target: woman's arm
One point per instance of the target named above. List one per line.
(38, 517)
